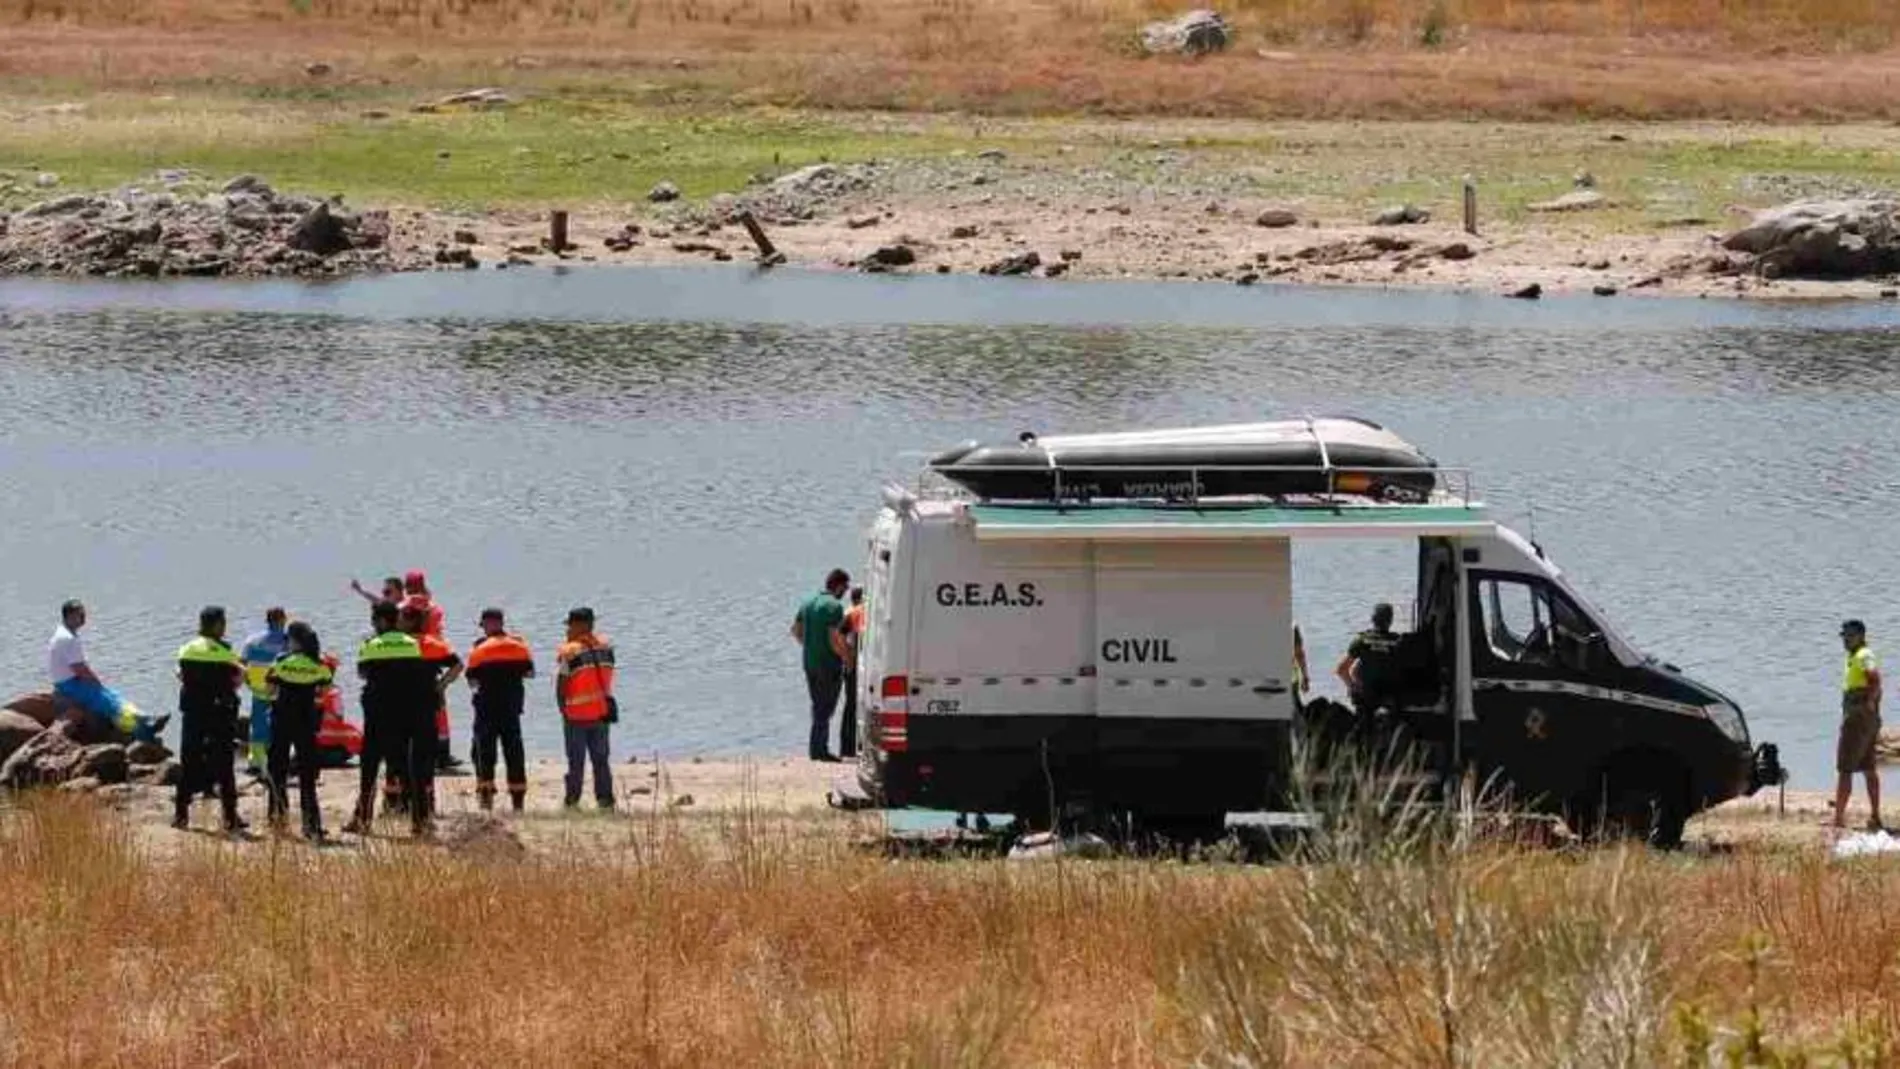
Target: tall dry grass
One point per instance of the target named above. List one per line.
(1395, 59)
(757, 947)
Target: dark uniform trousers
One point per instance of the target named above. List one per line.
(499, 728)
(208, 734)
(402, 741)
(294, 732)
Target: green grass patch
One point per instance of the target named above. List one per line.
(537, 153)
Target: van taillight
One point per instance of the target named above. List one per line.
(893, 714)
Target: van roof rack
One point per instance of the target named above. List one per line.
(1452, 487)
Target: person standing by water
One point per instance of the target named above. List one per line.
(416, 596)
(392, 591)
(397, 697)
(499, 665)
(1860, 724)
(260, 652)
(73, 679)
(209, 672)
(818, 629)
(853, 634)
(297, 681)
(584, 692)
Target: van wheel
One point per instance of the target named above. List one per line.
(1642, 800)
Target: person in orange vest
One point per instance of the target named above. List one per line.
(499, 664)
(853, 632)
(584, 692)
(338, 740)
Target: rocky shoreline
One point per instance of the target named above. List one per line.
(982, 214)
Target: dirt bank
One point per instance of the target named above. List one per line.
(1247, 204)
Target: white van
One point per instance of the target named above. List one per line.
(1136, 657)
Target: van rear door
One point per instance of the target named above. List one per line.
(1191, 636)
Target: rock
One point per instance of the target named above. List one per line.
(1388, 243)
(319, 232)
(680, 802)
(1646, 283)
(992, 155)
(466, 237)
(808, 179)
(475, 99)
(82, 785)
(483, 837)
(47, 758)
(1528, 293)
(1021, 263)
(1247, 278)
(1195, 33)
(147, 753)
(1889, 294)
(16, 730)
(890, 256)
(105, 762)
(1574, 201)
(863, 222)
(1457, 250)
(1048, 846)
(1598, 265)
(663, 193)
(1276, 219)
(244, 183)
(1823, 239)
(1584, 180)
(1070, 255)
(164, 774)
(1402, 215)
(964, 231)
(457, 256)
(1603, 290)
(1056, 269)
(66, 205)
(316, 70)
(45, 180)
(42, 707)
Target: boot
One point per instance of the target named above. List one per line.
(519, 799)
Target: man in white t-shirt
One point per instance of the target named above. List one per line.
(74, 680)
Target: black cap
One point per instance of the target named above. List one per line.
(491, 613)
(582, 615)
(1853, 627)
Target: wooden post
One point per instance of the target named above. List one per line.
(1471, 206)
(557, 232)
(769, 256)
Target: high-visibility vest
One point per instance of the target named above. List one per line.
(499, 649)
(208, 673)
(300, 671)
(1859, 663)
(588, 667)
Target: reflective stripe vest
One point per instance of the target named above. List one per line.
(208, 674)
(588, 668)
(298, 670)
(1859, 663)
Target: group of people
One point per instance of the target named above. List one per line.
(829, 633)
(406, 667)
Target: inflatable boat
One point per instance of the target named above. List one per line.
(1281, 459)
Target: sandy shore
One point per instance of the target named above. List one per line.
(713, 800)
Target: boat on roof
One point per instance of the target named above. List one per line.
(1285, 458)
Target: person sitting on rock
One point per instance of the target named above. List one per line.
(74, 681)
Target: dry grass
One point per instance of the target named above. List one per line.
(1524, 59)
(762, 949)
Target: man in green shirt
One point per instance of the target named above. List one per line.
(818, 630)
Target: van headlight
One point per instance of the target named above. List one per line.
(1728, 720)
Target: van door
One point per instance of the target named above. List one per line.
(1543, 688)
(1193, 657)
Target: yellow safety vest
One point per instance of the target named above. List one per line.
(1859, 663)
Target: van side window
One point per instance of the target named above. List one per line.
(1527, 622)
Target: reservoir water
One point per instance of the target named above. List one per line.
(689, 450)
